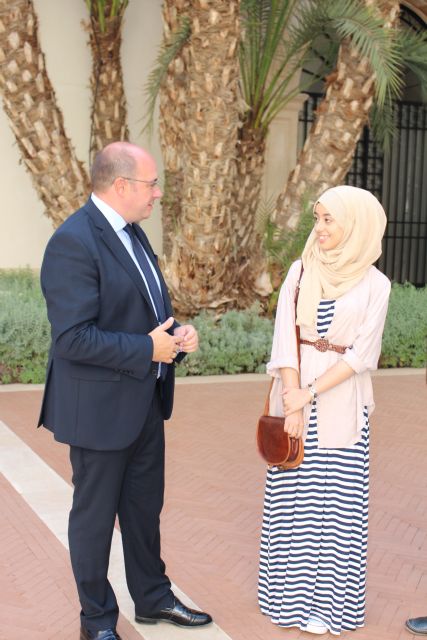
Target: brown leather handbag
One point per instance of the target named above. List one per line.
(275, 445)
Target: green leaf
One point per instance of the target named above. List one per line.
(279, 37)
(239, 342)
(166, 56)
(98, 11)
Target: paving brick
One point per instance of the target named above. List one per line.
(38, 598)
(213, 507)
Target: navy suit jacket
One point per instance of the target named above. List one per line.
(100, 376)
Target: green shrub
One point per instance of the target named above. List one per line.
(239, 342)
(405, 332)
(24, 328)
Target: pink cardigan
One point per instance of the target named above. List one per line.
(358, 323)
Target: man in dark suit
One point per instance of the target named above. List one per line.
(109, 387)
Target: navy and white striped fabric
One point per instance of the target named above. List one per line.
(315, 531)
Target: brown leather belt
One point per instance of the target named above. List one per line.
(322, 344)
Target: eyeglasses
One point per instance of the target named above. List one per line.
(151, 183)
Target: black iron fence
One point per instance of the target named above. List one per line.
(399, 180)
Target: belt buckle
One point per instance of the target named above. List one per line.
(322, 344)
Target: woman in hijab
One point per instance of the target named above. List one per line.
(315, 524)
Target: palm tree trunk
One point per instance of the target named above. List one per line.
(108, 114)
(36, 120)
(252, 272)
(340, 118)
(202, 255)
(173, 96)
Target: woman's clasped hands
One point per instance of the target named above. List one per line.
(293, 402)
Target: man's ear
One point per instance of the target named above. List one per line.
(119, 186)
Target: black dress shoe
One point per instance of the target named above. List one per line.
(417, 625)
(105, 634)
(178, 614)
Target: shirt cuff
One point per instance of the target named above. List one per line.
(274, 366)
(354, 361)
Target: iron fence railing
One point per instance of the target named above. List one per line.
(399, 180)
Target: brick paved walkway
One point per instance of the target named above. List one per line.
(37, 592)
(212, 515)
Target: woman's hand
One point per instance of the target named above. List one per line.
(295, 399)
(294, 424)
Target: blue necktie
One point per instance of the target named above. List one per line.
(148, 273)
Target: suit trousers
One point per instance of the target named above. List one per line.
(128, 483)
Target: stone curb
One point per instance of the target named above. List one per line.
(241, 377)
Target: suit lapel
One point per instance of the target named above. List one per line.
(117, 248)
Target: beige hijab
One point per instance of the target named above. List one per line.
(330, 274)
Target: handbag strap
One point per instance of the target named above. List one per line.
(298, 340)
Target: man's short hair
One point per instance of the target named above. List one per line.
(111, 164)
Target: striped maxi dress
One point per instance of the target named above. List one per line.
(315, 531)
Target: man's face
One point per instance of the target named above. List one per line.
(141, 191)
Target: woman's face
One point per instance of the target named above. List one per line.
(328, 232)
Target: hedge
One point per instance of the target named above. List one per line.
(239, 342)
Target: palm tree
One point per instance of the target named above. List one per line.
(277, 42)
(275, 45)
(108, 114)
(172, 87)
(172, 78)
(368, 71)
(36, 120)
(202, 254)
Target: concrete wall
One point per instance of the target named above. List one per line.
(25, 229)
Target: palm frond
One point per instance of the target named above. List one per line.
(413, 47)
(265, 212)
(263, 25)
(366, 30)
(283, 38)
(321, 56)
(117, 6)
(413, 53)
(167, 54)
(278, 41)
(278, 92)
(382, 123)
(254, 21)
(100, 11)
